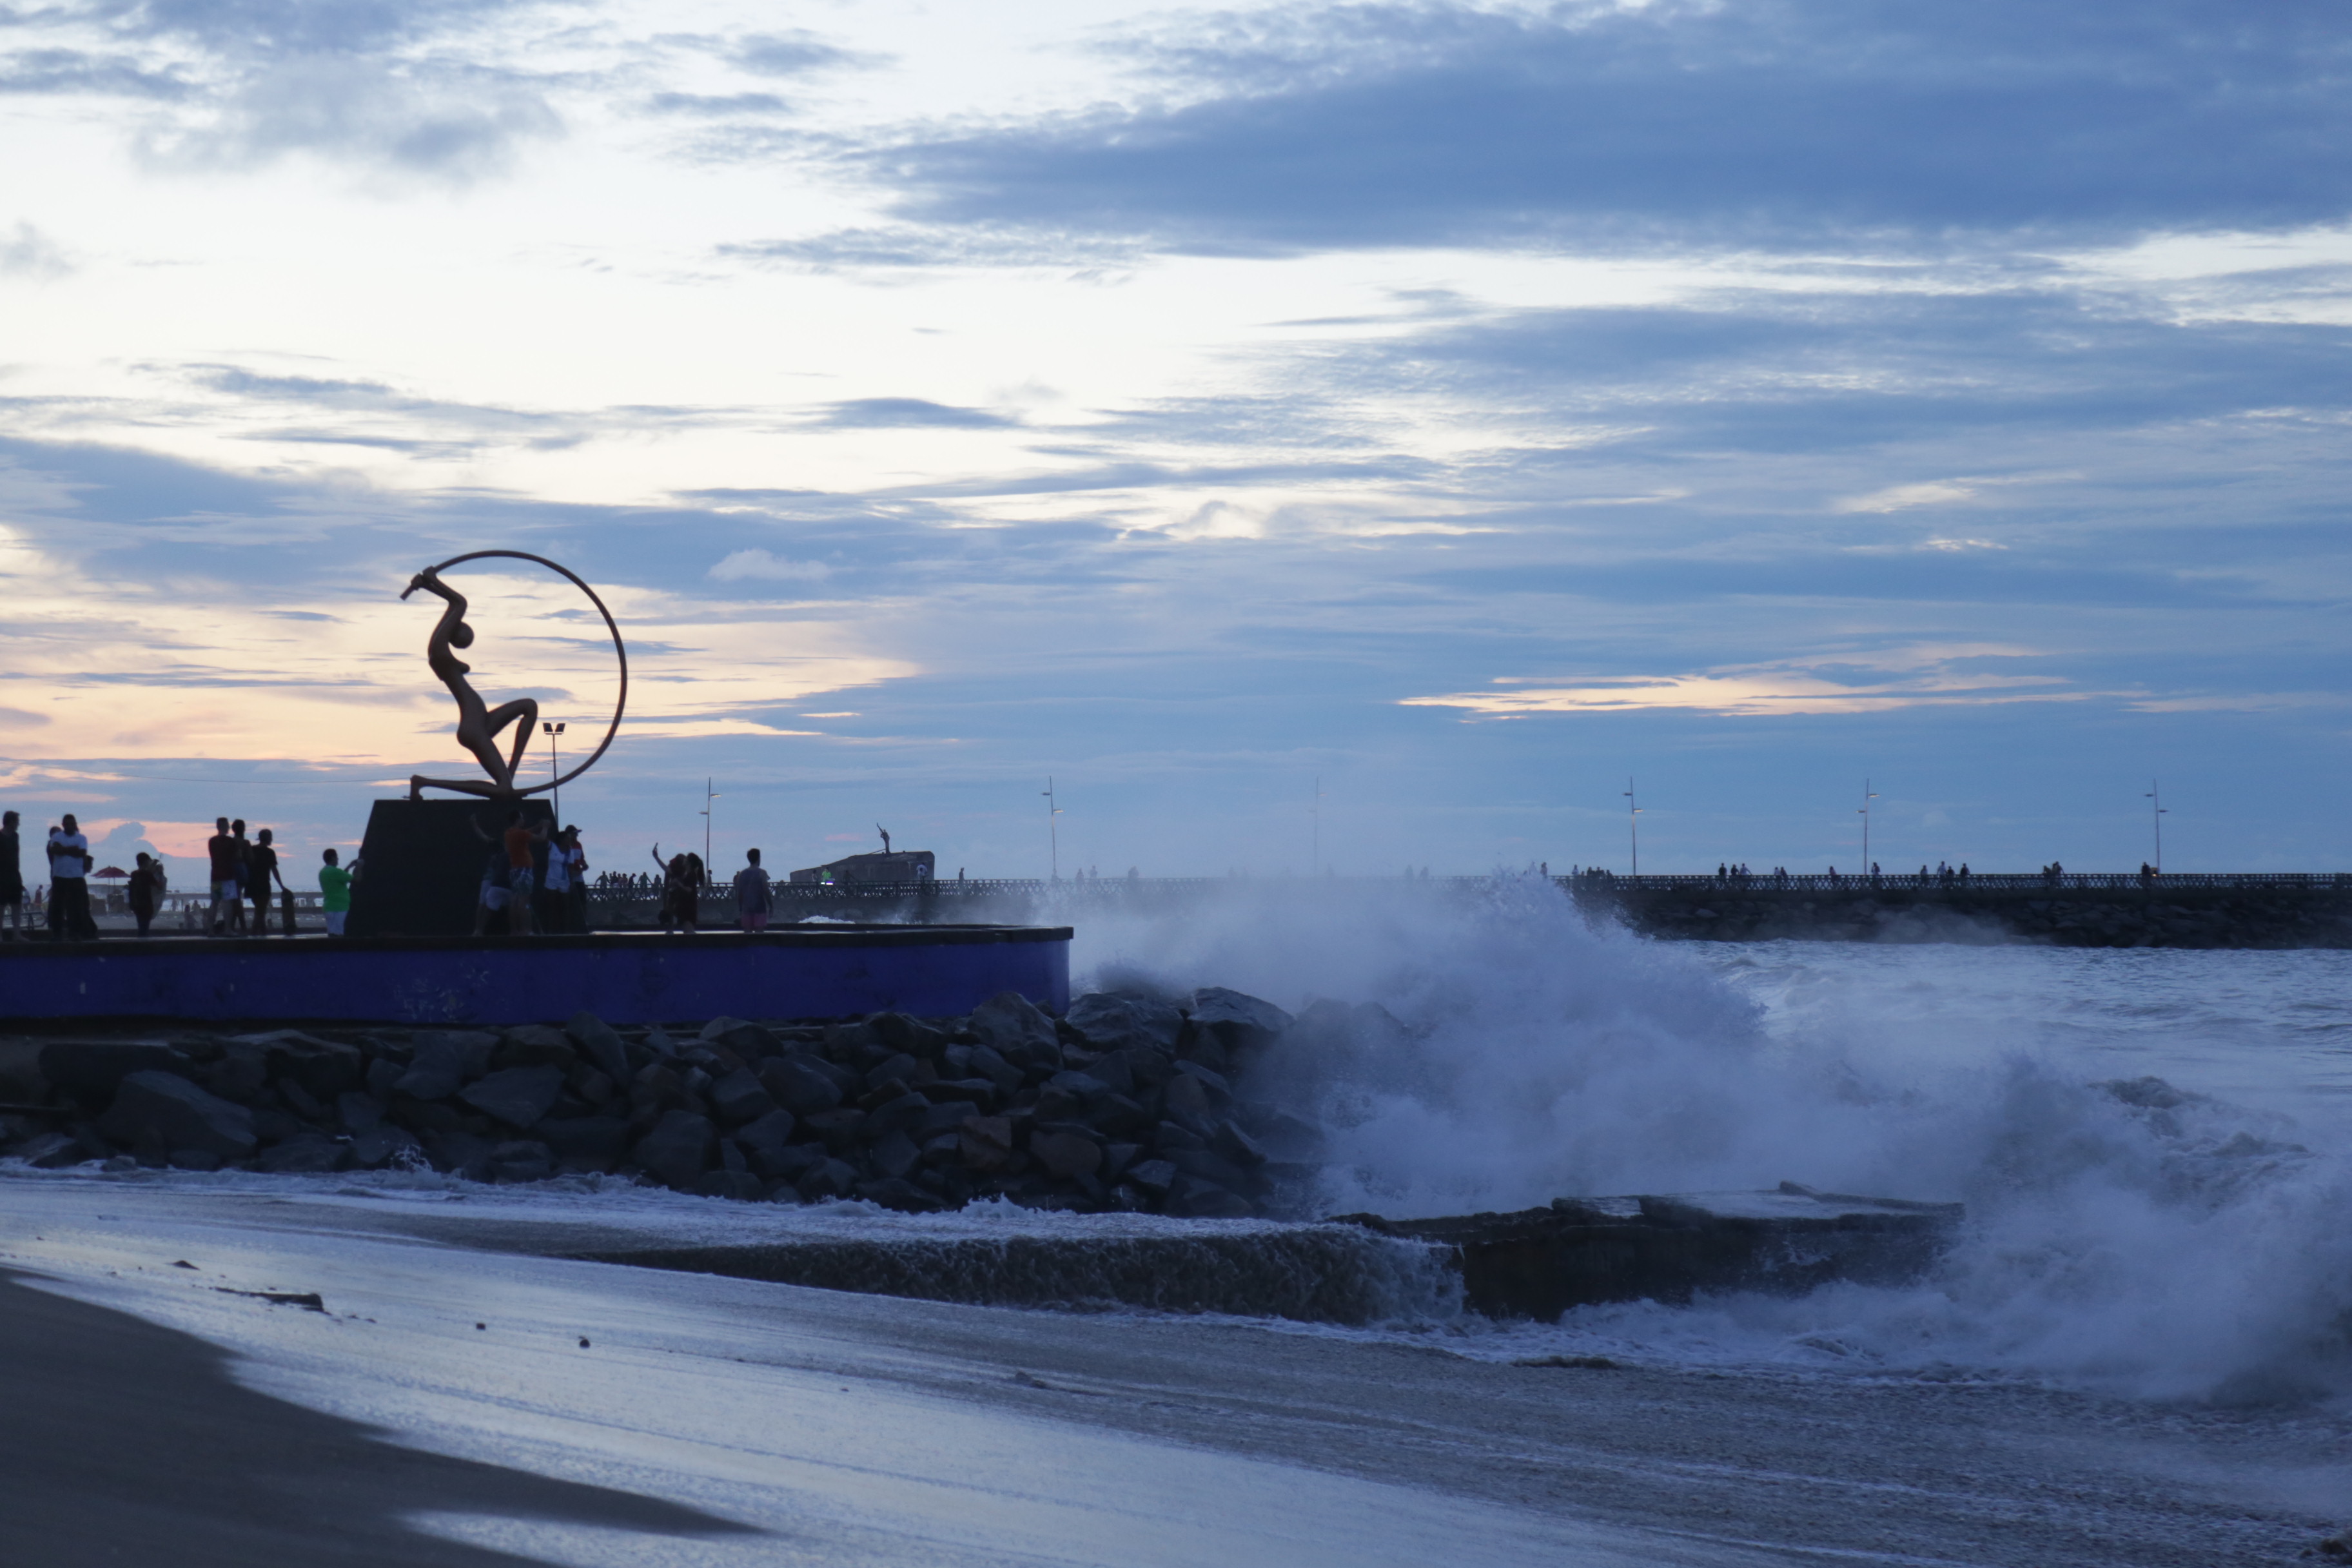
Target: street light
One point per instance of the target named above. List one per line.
(551, 730)
(1633, 824)
(708, 794)
(2155, 816)
(1866, 798)
(1053, 828)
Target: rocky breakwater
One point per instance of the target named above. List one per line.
(1127, 1104)
(2318, 914)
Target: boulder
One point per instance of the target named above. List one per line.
(460, 1154)
(890, 1193)
(739, 1185)
(1237, 1146)
(895, 1154)
(324, 1068)
(1012, 1027)
(677, 1150)
(358, 1111)
(763, 1142)
(50, 1150)
(1236, 1022)
(1116, 1158)
(739, 1096)
(311, 1153)
(987, 1142)
(1065, 1154)
(22, 1082)
(795, 1083)
(161, 1112)
(522, 1160)
(828, 1178)
(746, 1039)
(443, 1061)
(995, 1070)
(600, 1045)
(381, 1144)
(536, 1046)
(519, 1097)
(1207, 1166)
(1115, 1115)
(601, 1140)
(1192, 1198)
(239, 1074)
(91, 1070)
(902, 1114)
(909, 1036)
(1188, 1095)
(1154, 1176)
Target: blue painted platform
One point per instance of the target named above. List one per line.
(827, 972)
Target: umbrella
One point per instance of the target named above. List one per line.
(117, 872)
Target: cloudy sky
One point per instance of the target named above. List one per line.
(1468, 408)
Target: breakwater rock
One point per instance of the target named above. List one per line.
(2249, 912)
(1126, 1103)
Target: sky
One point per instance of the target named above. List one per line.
(1312, 437)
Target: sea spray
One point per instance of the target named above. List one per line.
(1499, 1052)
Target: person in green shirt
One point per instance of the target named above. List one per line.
(334, 893)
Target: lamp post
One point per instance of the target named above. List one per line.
(1633, 824)
(708, 794)
(1866, 798)
(553, 730)
(2156, 816)
(1053, 828)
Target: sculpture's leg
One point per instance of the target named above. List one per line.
(523, 708)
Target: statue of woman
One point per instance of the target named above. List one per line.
(478, 727)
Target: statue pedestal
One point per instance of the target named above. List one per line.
(421, 863)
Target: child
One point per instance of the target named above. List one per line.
(334, 893)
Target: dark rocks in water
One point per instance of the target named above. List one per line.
(1015, 1028)
(1239, 1024)
(1065, 1154)
(739, 1096)
(1192, 1198)
(516, 1096)
(535, 1046)
(443, 1061)
(602, 1140)
(161, 1112)
(311, 1153)
(599, 1043)
(1539, 1263)
(522, 1160)
(799, 1086)
(739, 1185)
(91, 1071)
(905, 1196)
(381, 1144)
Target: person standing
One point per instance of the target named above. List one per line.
(70, 883)
(146, 894)
(228, 878)
(334, 893)
(12, 878)
(260, 872)
(575, 864)
(555, 889)
(753, 899)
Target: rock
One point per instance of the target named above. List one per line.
(192, 1160)
(1105, 1022)
(1204, 1165)
(909, 1037)
(358, 1111)
(763, 1143)
(1220, 1087)
(895, 1154)
(1065, 1154)
(902, 1114)
(890, 1193)
(828, 1178)
(536, 1046)
(1117, 1115)
(1189, 1094)
(839, 1128)
(1236, 1022)
(902, 1069)
(313, 1153)
(1153, 1176)
(795, 1083)
(444, 1060)
(380, 1144)
(460, 1154)
(22, 1082)
(162, 1111)
(1192, 1198)
(600, 1045)
(745, 1039)
(322, 1068)
(50, 1150)
(1117, 1157)
(739, 1096)
(600, 1139)
(1237, 1146)
(91, 1070)
(522, 1160)
(677, 1150)
(519, 1097)
(987, 1142)
(739, 1185)
(995, 1070)
(1011, 1026)
(237, 1075)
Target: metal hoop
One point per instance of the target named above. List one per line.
(619, 651)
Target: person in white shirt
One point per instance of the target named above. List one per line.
(554, 899)
(69, 918)
(752, 898)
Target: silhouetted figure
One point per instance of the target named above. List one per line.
(334, 893)
(69, 917)
(260, 872)
(146, 892)
(753, 898)
(575, 864)
(681, 891)
(12, 878)
(477, 726)
(228, 878)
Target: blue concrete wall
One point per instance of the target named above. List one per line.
(839, 971)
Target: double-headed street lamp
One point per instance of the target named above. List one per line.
(552, 729)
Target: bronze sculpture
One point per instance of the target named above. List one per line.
(479, 724)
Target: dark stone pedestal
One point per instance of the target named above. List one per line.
(422, 865)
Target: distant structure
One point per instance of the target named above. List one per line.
(903, 865)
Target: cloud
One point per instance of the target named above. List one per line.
(29, 253)
(717, 104)
(908, 413)
(1779, 122)
(917, 246)
(69, 71)
(1854, 683)
(749, 564)
(1901, 497)
(795, 53)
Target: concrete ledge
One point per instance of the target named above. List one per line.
(796, 972)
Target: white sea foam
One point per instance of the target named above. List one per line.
(2152, 1237)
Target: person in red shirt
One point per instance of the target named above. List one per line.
(519, 842)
